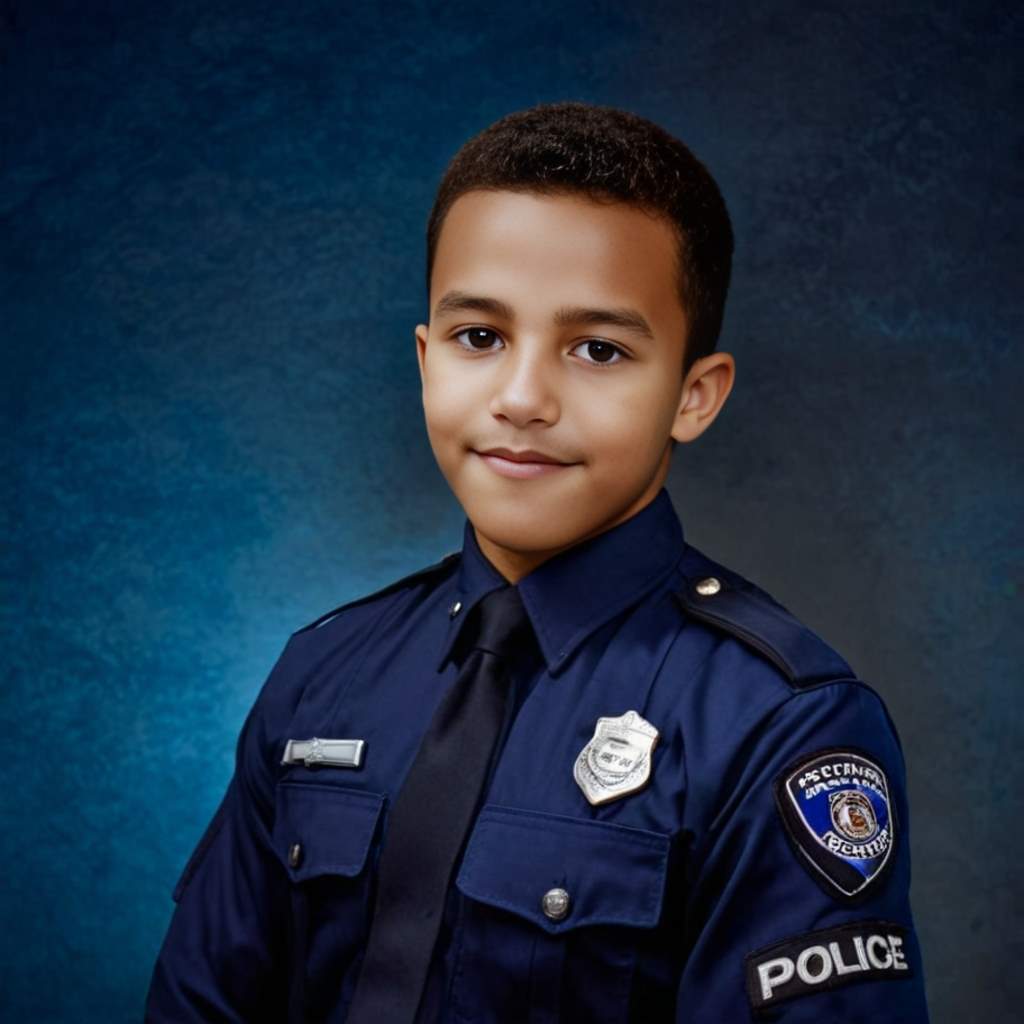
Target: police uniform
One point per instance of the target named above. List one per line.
(696, 814)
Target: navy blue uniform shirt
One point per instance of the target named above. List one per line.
(746, 856)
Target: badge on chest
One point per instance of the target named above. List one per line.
(617, 759)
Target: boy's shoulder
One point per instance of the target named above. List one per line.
(726, 601)
(709, 592)
(430, 576)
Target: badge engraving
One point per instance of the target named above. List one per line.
(837, 811)
(617, 759)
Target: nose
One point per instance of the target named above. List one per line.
(526, 387)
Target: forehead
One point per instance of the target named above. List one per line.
(532, 250)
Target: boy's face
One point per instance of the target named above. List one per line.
(511, 359)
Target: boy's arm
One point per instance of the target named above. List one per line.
(800, 905)
(222, 958)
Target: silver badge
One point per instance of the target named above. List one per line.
(617, 760)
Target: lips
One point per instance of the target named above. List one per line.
(525, 464)
(525, 455)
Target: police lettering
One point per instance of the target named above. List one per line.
(837, 956)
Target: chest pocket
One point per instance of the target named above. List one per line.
(528, 953)
(322, 835)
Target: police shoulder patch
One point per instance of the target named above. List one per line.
(839, 817)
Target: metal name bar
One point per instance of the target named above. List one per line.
(330, 753)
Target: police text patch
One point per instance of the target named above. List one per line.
(838, 814)
(826, 959)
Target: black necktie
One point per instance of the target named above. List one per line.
(432, 814)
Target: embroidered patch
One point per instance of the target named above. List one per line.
(838, 814)
(830, 958)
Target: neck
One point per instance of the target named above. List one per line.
(513, 565)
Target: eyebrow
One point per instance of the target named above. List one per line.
(567, 316)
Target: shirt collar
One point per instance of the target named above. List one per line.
(577, 591)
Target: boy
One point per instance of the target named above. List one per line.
(576, 771)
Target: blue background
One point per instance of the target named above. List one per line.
(212, 221)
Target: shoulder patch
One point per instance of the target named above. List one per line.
(724, 599)
(438, 569)
(838, 814)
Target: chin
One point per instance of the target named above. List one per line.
(515, 527)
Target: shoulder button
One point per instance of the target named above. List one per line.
(708, 586)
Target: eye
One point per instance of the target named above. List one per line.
(474, 335)
(602, 353)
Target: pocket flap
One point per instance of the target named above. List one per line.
(323, 830)
(613, 874)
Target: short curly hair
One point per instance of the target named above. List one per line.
(607, 154)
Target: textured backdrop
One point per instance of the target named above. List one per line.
(212, 222)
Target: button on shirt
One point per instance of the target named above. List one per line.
(763, 865)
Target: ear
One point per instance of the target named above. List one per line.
(421, 345)
(704, 392)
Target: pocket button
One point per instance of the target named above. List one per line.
(555, 904)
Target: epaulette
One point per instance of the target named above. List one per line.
(437, 569)
(724, 599)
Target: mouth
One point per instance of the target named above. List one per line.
(521, 465)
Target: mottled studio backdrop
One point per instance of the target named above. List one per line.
(212, 219)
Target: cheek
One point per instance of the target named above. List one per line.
(449, 408)
(630, 423)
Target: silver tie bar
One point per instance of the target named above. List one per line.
(333, 753)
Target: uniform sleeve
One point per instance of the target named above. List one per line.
(222, 957)
(799, 907)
